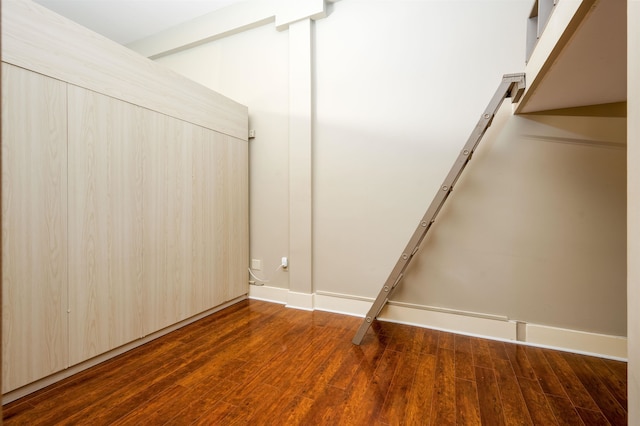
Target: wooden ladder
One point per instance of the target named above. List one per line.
(512, 86)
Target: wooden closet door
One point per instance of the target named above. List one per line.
(105, 223)
(167, 225)
(237, 206)
(34, 227)
(195, 220)
(220, 219)
(203, 267)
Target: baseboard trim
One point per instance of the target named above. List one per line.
(268, 294)
(74, 369)
(283, 296)
(500, 329)
(342, 305)
(614, 347)
(302, 301)
(468, 323)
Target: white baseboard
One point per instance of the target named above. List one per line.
(469, 323)
(300, 301)
(614, 347)
(283, 296)
(342, 305)
(493, 328)
(268, 294)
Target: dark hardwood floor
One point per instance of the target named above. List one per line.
(263, 364)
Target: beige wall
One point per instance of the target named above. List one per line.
(535, 231)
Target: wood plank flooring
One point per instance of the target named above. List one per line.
(260, 363)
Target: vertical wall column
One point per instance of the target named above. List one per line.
(300, 170)
(633, 213)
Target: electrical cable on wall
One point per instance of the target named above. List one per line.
(260, 280)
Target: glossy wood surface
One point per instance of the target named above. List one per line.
(34, 226)
(261, 363)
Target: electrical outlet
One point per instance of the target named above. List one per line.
(285, 263)
(256, 264)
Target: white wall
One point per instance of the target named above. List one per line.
(535, 230)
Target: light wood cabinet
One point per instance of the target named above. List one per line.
(202, 209)
(105, 222)
(232, 216)
(121, 216)
(167, 228)
(34, 226)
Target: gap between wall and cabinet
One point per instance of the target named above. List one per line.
(476, 324)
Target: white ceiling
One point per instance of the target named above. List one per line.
(126, 21)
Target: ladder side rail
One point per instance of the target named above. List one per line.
(485, 121)
(505, 89)
(458, 167)
(418, 236)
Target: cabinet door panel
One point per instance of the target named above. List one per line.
(105, 223)
(195, 220)
(218, 215)
(222, 206)
(231, 217)
(34, 227)
(203, 266)
(238, 205)
(167, 229)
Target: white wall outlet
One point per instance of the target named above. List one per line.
(256, 264)
(285, 263)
